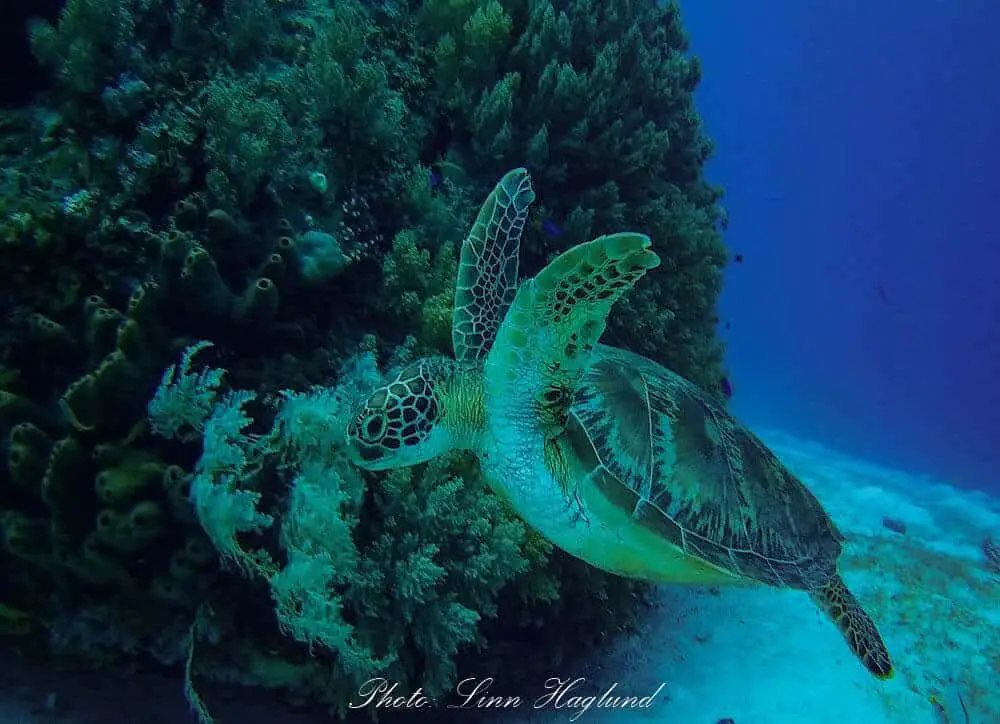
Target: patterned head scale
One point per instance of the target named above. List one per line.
(396, 424)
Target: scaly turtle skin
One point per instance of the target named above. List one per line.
(615, 459)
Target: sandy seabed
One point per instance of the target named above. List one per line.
(755, 655)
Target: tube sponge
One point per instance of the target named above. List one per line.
(64, 486)
(200, 272)
(28, 455)
(43, 329)
(288, 250)
(171, 591)
(198, 550)
(101, 327)
(182, 568)
(177, 486)
(142, 301)
(133, 530)
(259, 302)
(95, 564)
(273, 267)
(124, 482)
(27, 538)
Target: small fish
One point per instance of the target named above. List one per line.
(881, 293)
(894, 524)
(738, 258)
(448, 167)
(552, 229)
(727, 387)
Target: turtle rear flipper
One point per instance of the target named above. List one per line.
(837, 602)
(546, 339)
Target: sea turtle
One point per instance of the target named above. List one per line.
(615, 459)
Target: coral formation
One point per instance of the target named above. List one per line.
(289, 180)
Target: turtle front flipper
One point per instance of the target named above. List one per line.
(837, 602)
(487, 268)
(546, 339)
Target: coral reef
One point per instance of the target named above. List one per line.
(290, 180)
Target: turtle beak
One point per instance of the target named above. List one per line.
(365, 456)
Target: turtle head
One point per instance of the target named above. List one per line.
(400, 423)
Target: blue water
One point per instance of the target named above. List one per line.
(857, 144)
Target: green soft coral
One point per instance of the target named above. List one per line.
(396, 587)
(468, 38)
(321, 560)
(390, 577)
(422, 288)
(453, 546)
(91, 38)
(597, 97)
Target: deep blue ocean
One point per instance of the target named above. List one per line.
(857, 142)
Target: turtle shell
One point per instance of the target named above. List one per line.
(661, 449)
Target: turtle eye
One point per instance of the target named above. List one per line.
(371, 425)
